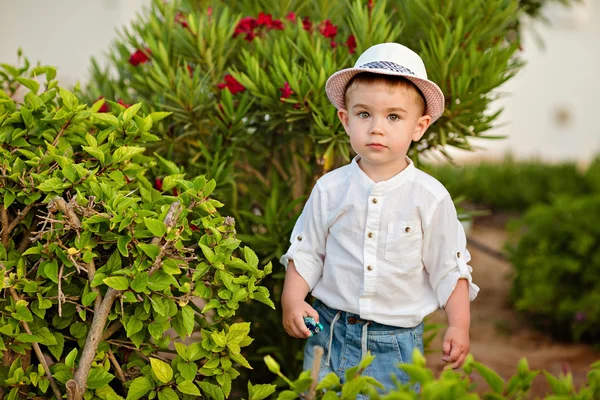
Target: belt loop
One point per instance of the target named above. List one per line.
(363, 339)
(335, 319)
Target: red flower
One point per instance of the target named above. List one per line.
(105, 107)
(291, 16)
(121, 102)
(306, 24)
(351, 43)
(231, 84)
(333, 44)
(328, 29)
(193, 227)
(265, 19)
(249, 36)
(158, 184)
(246, 25)
(209, 11)
(190, 70)
(370, 4)
(139, 57)
(277, 25)
(180, 19)
(286, 91)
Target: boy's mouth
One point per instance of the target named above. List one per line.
(376, 145)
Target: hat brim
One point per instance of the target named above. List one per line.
(434, 97)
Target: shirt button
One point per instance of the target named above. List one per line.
(370, 234)
(370, 267)
(351, 320)
(374, 201)
(299, 237)
(458, 254)
(407, 229)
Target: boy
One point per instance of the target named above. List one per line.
(378, 243)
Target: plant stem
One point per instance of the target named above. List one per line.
(38, 352)
(115, 363)
(76, 386)
(4, 221)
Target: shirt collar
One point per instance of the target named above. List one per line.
(382, 187)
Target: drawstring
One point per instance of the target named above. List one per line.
(363, 339)
(335, 319)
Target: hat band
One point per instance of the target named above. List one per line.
(389, 66)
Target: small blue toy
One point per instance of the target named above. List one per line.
(312, 325)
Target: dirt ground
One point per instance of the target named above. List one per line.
(499, 336)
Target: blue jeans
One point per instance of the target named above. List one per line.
(389, 344)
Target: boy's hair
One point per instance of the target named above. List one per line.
(392, 81)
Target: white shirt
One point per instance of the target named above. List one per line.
(390, 251)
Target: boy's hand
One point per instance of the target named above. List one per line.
(293, 318)
(456, 347)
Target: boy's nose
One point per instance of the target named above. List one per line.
(375, 130)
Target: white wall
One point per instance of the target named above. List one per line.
(552, 108)
(63, 33)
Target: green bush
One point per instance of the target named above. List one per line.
(556, 260)
(451, 385)
(517, 185)
(104, 277)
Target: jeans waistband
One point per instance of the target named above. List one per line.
(352, 318)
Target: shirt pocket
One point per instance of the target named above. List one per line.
(404, 241)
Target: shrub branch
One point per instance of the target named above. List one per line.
(38, 352)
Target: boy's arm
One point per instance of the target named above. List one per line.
(295, 308)
(456, 340)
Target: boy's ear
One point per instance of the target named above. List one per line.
(421, 127)
(343, 116)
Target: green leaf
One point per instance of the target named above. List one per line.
(260, 392)
(329, 381)
(491, 377)
(250, 257)
(157, 116)
(89, 298)
(32, 85)
(188, 387)
(130, 112)
(272, 365)
(156, 330)
(161, 370)
(57, 349)
(134, 325)
(187, 314)
(68, 98)
(219, 339)
(51, 185)
(264, 300)
(122, 245)
(96, 152)
(9, 197)
(98, 378)
(168, 394)
(156, 227)
(22, 313)
(126, 152)
(139, 387)
(211, 390)
(151, 250)
(140, 282)
(70, 359)
(117, 282)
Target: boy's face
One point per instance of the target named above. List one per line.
(381, 122)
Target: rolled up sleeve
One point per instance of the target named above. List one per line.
(445, 253)
(307, 243)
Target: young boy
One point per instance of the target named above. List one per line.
(378, 243)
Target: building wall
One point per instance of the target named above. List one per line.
(552, 105)
(63, 33)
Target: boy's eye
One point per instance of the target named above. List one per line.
(363, 115)
(393, 117)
